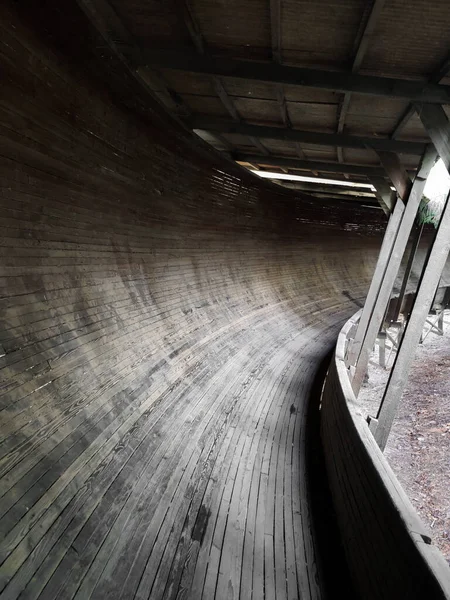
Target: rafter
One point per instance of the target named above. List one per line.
(415, 91)
(437, 126)
(361, 50)
(275, 30)
(309, 137)
(309, 165)
(397, 173)
(123, 45)
(327, 189)
(191, 25)
(441, 72)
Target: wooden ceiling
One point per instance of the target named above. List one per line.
(292, 86)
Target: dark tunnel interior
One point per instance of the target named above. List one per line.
(166, 323)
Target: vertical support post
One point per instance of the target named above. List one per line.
(383, 259)
(384, 194)
(382, 348)
(412, 254)
(429, 280)
(392, 268)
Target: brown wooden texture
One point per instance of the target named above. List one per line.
(389, 551)
(162, 316)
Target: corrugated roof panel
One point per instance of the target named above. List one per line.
(234, 24)
(411, 38)
(413, 130)
(313, 117)
(315, 152)
(304, 94)
(250, 89)
(358, 157)
(258, 111)
(279, 147)
(371, 115)
(156, 24)
(206, 105)
(189, 83)
(320, 32)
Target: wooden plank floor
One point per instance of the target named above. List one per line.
(199, 495)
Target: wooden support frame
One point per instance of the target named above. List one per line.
(378, 307)
(436, 123)
(390, 235)
(414, 91)
(396, 172)
(386, 197)
(436, 77)
(415, 240)
(362, 46)
(429, 280)
(382, 349)
(302, 164)
(310, 137)
(191, 25)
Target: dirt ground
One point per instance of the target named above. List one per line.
(419, 445)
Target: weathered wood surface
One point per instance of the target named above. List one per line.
(401, 560)
(161, 323)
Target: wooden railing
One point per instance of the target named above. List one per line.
(388, 549)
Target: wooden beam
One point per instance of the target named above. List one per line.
(428, 283)
(362, 46)
(397, 173)
(384, 194)
(196, 36)
(283, 107)
(415, 91)
(369, 28)
(193, 29)
(415, 241)
(122, 44)
(367, 340)
(436, 77)
(437, 125)
(310, 165)
(403, 121)
(309, 137)
(275, 28)
(384, 256)
(327, 188)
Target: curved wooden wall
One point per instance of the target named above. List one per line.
(389, 551)
(162, 316)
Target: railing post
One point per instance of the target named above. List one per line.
(383, 259)
(429, 280)
(391, 270)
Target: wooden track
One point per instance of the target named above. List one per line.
(161, 325)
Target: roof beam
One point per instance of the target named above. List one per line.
(310, 165)
(308, 137)
(197, 39)
(414, 91)
(397, 173)
(122, 44)
(384, 194)
(437, 126)
(327, 188)
(436, 77)
(363, 44)
(275, 26)
(367, 33)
